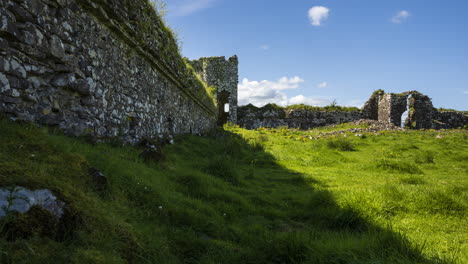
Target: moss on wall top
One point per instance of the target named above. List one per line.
(275, 107)
(137, 23)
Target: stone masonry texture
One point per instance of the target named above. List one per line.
(384, 107)
(104, 67)
(223, 75)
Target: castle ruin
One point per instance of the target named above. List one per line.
(110, 68)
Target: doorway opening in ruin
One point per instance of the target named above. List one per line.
(404, 117)
(223, 107)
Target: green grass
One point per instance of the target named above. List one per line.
(263, 196)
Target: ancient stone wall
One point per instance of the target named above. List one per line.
(252, 117)
(104, 67)
(384, 107)
(450, 119)
(391, 107)
(223, 75)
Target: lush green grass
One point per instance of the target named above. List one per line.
(265, 196)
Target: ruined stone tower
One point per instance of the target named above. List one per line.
(223, 75)
(390, 108)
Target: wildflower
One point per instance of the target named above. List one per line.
(439, 136)
(160, 207)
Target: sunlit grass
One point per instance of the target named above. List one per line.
(263, 196)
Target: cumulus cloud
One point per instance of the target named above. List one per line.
(465, 92)
(260, 93)
(322, 85)
(401, 17)
(188, 7)
(318, 14)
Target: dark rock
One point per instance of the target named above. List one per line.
(76, 130)
(18, 83)
(153, 150)
(52, 119)
(99, 179)
(82, 87)
(21, 200)
(56, 47)
(9, 100)
(63, 80)
(21, 14)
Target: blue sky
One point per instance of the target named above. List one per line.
(316, 51)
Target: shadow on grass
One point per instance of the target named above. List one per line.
(217, 199)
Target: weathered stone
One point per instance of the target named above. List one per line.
(18, 83)
(3, 44)
(63, 80)
(8, 24)
(222, 74)
(17, 69)
(21, 14)
(4, 65)
(82, 87)
(107, 75)
(9, 100)
(52, 119)
(4, 83)
(77, 130)
(99, 179)
(56, 47)
(20, 199)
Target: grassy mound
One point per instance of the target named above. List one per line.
(265, 196)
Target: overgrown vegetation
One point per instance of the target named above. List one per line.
(329, 108)
(239, 196)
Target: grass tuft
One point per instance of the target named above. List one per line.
(341, 144)
(398, 166)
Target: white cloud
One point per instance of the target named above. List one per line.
(322, 85)
(318, 14)
(401, 17)
(465, 92)
(187, 7)
(260, 93)
(264, 47)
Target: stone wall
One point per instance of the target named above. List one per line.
(385, 107)
(391, 107)
(223, 75)
(450, 119)
(252, 117)
(104, 67)
(421, 113)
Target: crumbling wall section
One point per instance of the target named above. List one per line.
(450, 119)
(421, 111)
(102, 67)
(252, 117)
(391, 107)
(223, 75)
(371, 107)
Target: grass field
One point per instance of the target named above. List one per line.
(239, 196)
